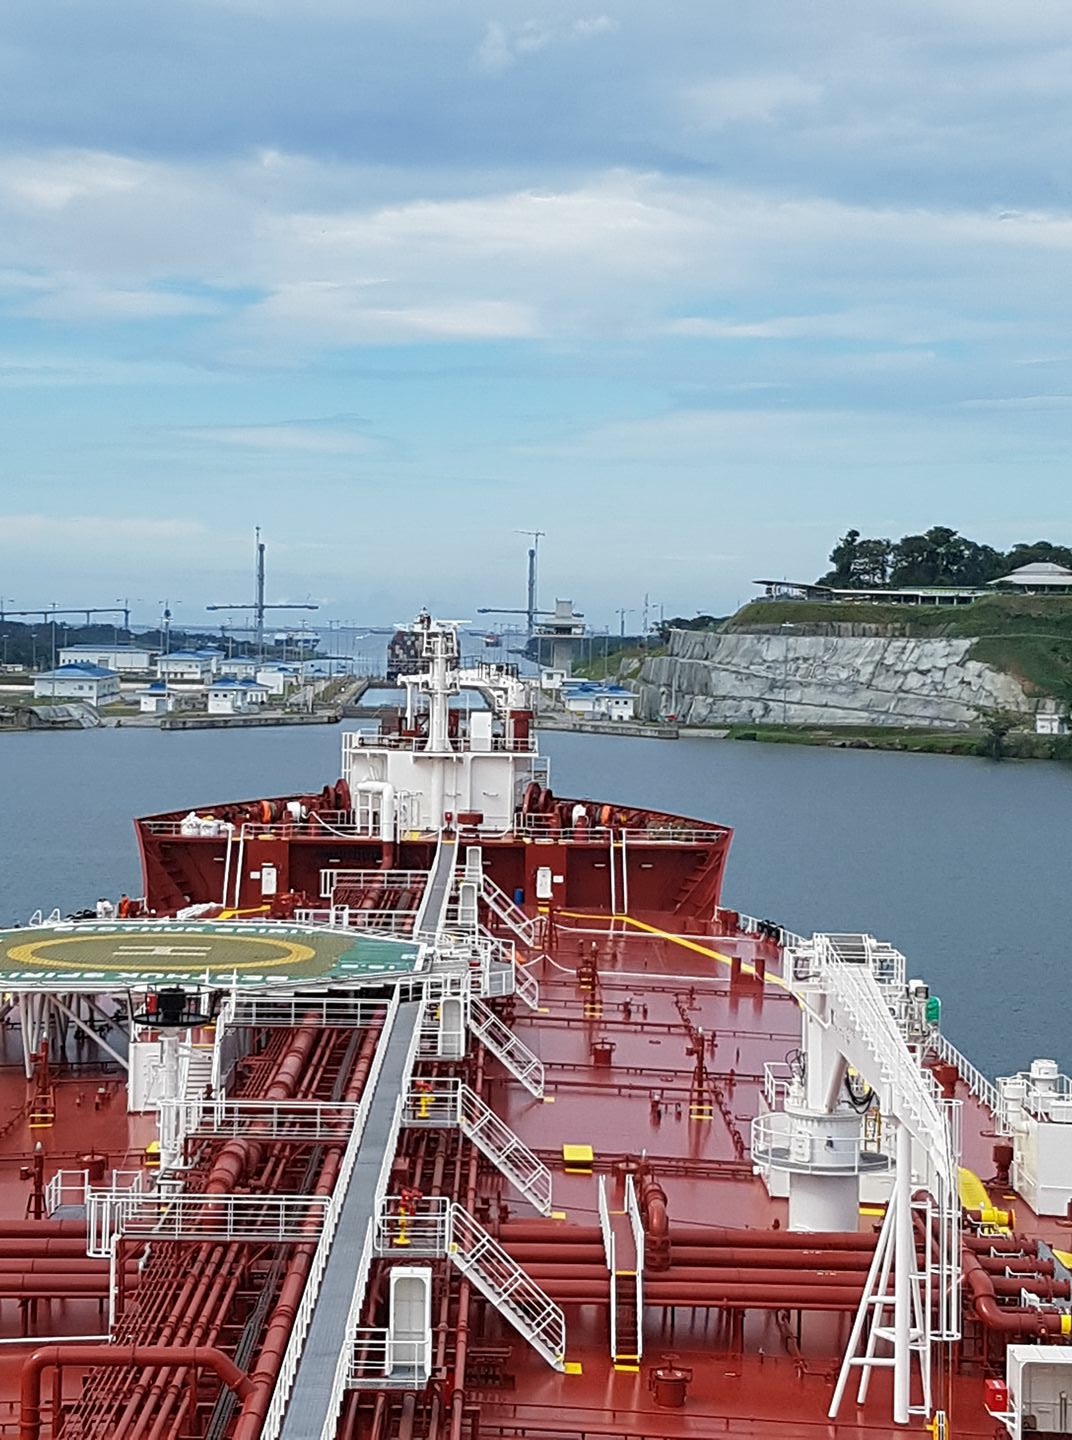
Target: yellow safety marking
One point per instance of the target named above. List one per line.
(678, 940)
(872, 1210)
(625, 1272)
(973, 1194)
(558, 1214)
(1065, 1257)
(627, 1369)
(578, 1154)
(249, 910)
(295, 954)
(548, 1099)
(573, 1367)
(543, 1010)
(1066, 1323)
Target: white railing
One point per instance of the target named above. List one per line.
(308, 1120)
(377, 1360)
(352, 917)
(610, 1258)
(269, 1219)
(775, 1144)
(654, 834)
(984, 1090)
(787, 939)
(289, 1011)
(528, 928)
(436, 1102)
(527, 987)
(303, 1318)
(508, 1048)
(776, 1077)
(636, 1223)
(373, 879)
(71, 1187)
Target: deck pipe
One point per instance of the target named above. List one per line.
(281, 1321)
(205, 1357)
(553, 1233)
(1011, 1319)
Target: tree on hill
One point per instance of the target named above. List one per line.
(940, 556)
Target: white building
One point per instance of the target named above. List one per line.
(599, 702)
(186, 666)
(1041, 577)
(278, 679)
(1049, 719)
(124, 659)
(230, 696)
(156, 699)
(92, 683)
(242, 667)
(552, 680)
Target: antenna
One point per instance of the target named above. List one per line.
(531, 606)
(259, 607)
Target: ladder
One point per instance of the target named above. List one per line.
(528, 928)
(440, 1227)
(451, 1102)
(507, 1048)
(848, 983)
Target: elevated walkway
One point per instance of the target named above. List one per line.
(432, 914)
(314, 1391)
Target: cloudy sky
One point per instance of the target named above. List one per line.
(692, 287)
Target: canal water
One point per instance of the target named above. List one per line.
(962, 864)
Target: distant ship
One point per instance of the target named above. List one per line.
(433, 1104)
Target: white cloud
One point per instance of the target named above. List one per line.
(503, 45)
(749, 99)
(115, 530)
(309, 438)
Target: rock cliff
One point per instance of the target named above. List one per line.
(733, 678)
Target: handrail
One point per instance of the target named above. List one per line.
(273, 1420)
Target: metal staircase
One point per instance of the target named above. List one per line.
(436, 1227)
(450, 1102)
(528, 928)
(507, 1048)
(854, 987)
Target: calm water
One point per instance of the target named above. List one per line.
(962, 864)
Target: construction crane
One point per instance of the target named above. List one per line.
(51, 611)
(530, 594)
(258, 606)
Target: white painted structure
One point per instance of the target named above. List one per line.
(1049, 720)
(92, 683)
(242, 667)
(123, 659)
(444, 762)
(593, 701)
(278, 679)
(1036, 1113)
(187, 666)
(229, 696)
(156, 699)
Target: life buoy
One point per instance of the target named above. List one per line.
(606, 814)
(266, 812)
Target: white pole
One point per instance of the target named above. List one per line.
(902, 1278)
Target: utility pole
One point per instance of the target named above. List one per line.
(258, 613)
(621, 613)
(531, 605)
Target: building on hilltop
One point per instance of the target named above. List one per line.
(1041, 577)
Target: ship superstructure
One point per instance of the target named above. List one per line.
(432, 1104)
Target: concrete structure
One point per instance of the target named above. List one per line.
(595, 701)
(123, 659)
(1051, 719)
(552, 680)
(278, 679)
(1041, 577)
(228, 696)
(789, 678)
(242, 667)
(559, 637)
(188, 666)
(92, 683)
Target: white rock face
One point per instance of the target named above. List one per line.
(732, 679)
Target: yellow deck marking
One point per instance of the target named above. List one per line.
(573, 1367)
(558, 1214)
(627, 1369)
(294, 954)
(676, 940)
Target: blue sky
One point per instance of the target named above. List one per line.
(691, 287)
